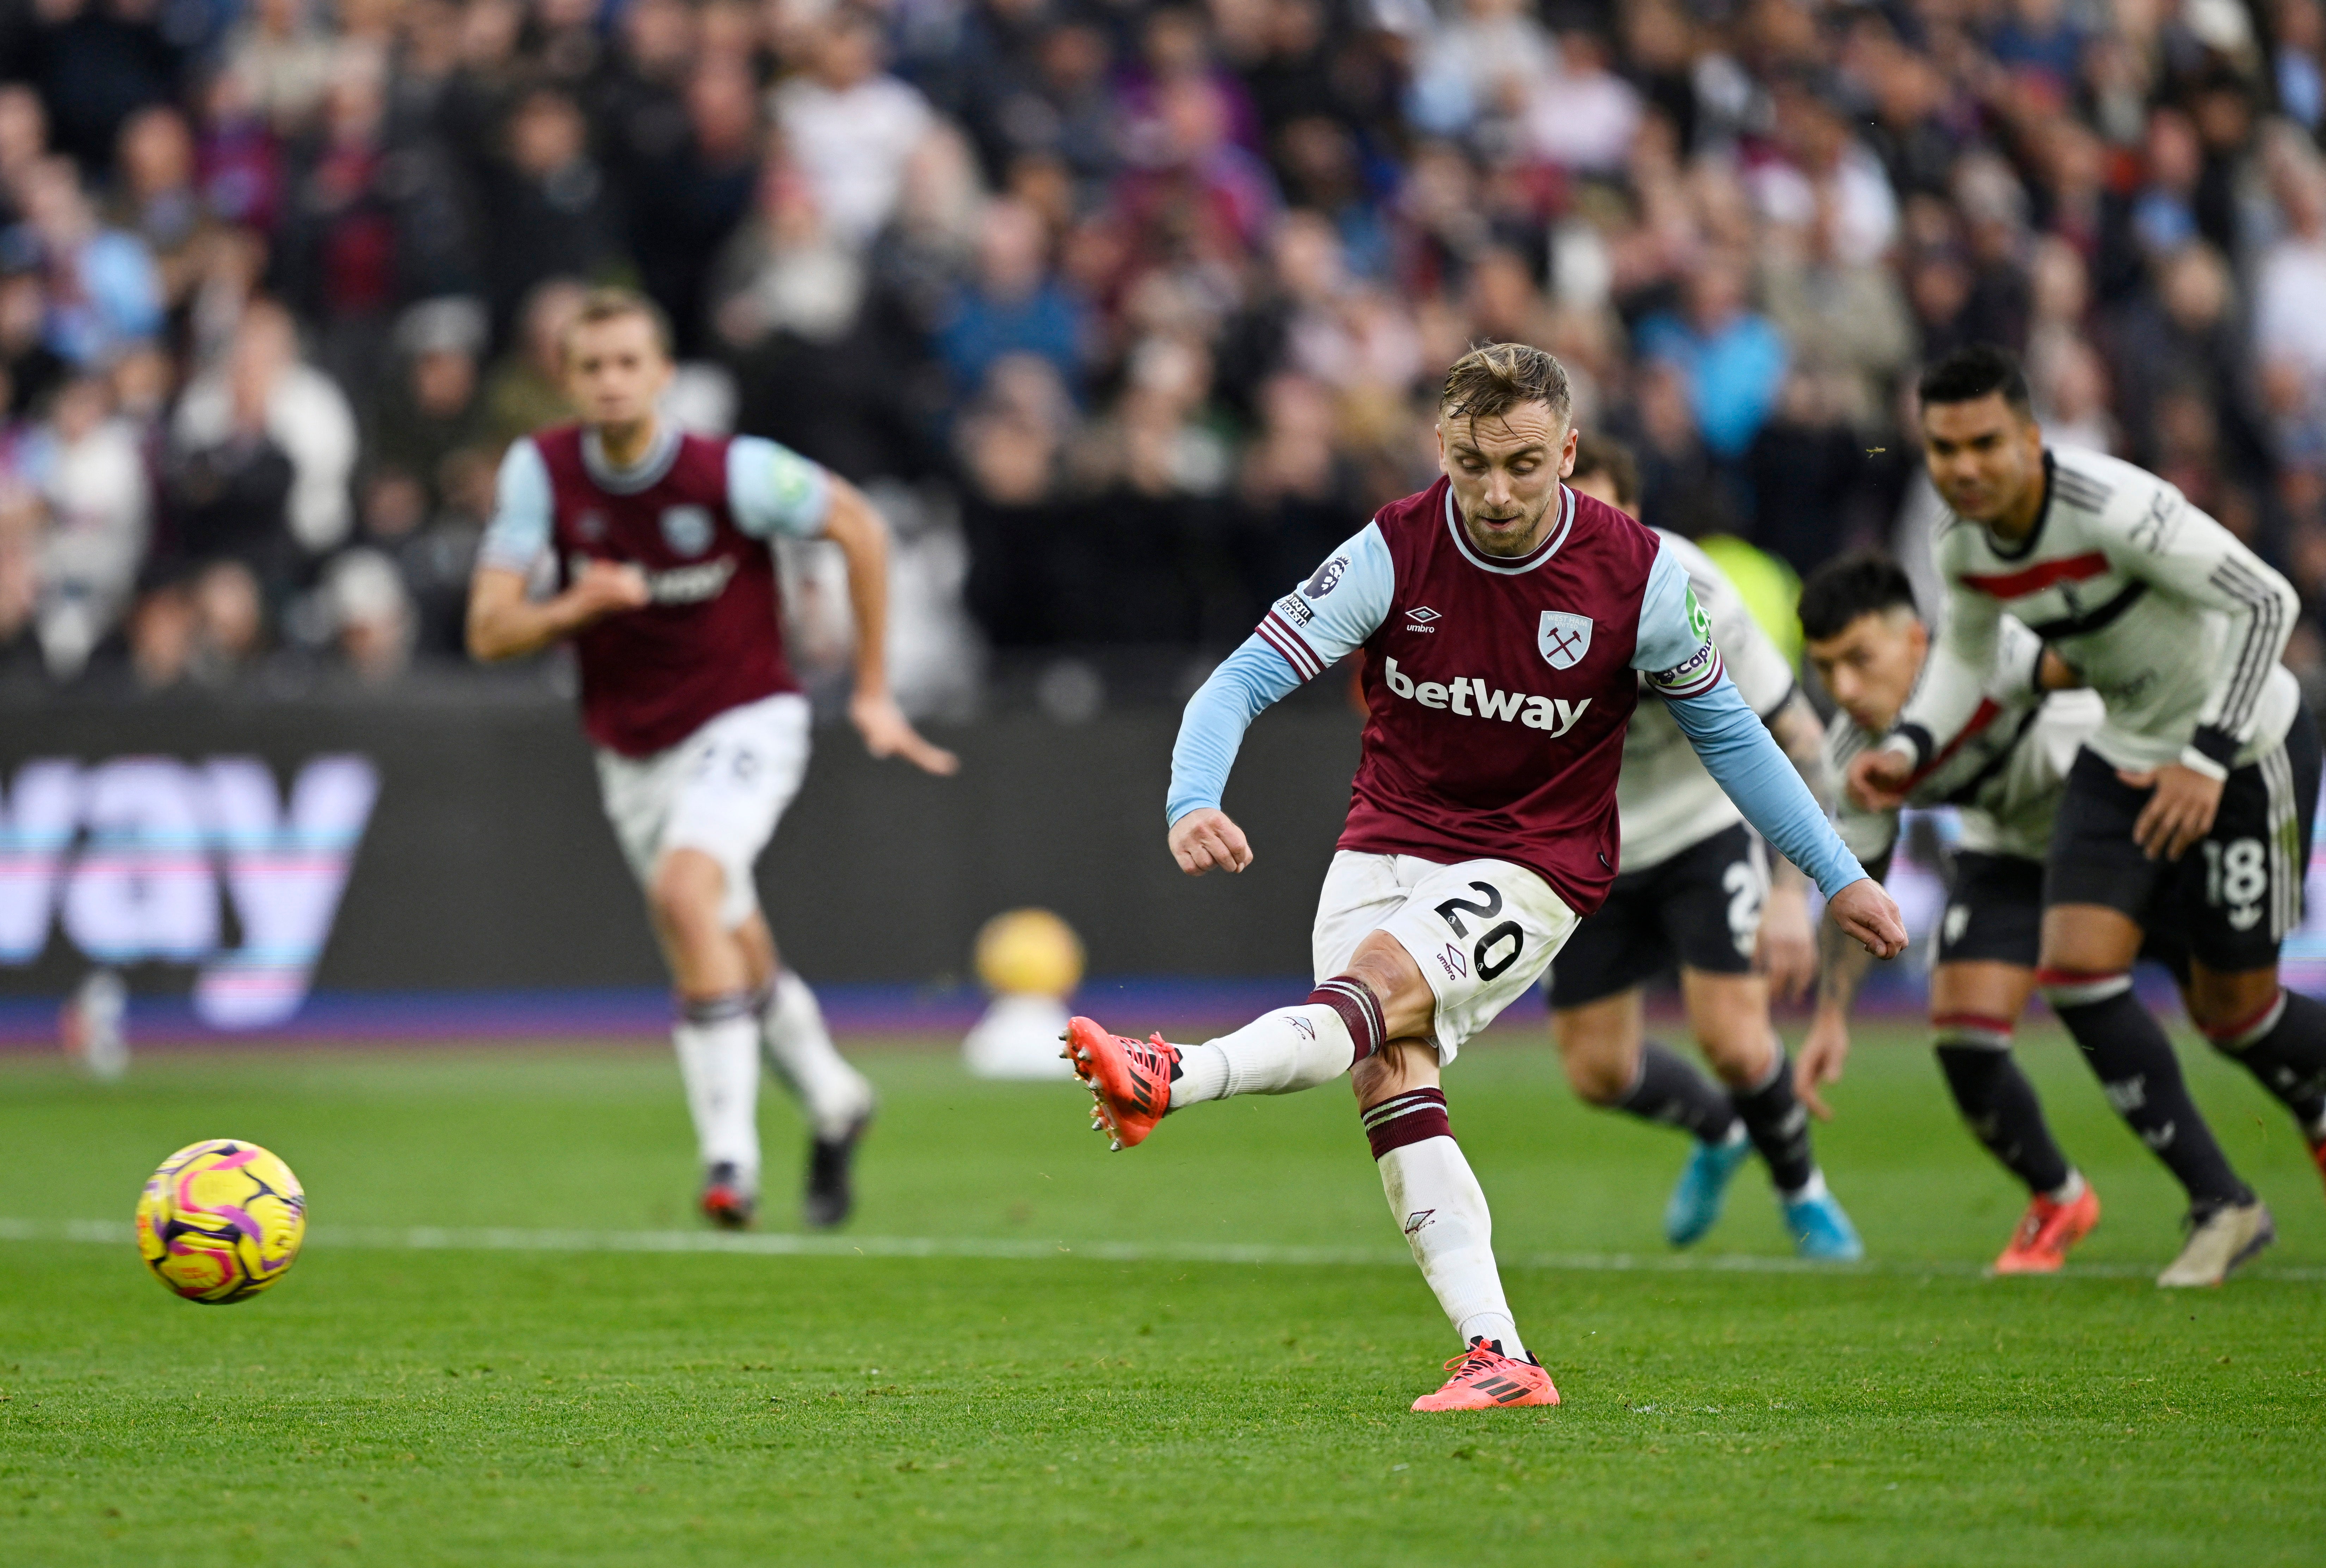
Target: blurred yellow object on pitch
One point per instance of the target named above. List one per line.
(1028, 952)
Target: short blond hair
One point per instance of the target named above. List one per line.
(1495, 378)
(612, 304)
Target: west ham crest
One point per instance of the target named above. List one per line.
(686, 529)
(1564, 638)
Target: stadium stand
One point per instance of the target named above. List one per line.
(1130, 309)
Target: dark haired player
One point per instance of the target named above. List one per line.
(1505, 621)
(668, 591)
(2188, 808)
(1867, 643)
(1695, 893)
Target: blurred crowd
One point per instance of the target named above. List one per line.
(1130, 312)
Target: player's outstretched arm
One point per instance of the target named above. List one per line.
(1302, 634)
(1202, 836)
(1744, 759)
(851, 524)
(1675, 650)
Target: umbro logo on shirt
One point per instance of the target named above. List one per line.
(1418, 618)
(1554, 714)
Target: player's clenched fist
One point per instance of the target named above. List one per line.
(1877, 780)
(1205, 838)
(1870, 916)
(605, 587)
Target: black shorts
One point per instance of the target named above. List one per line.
(1701, 909)
(2235, 895)
(1994, 910)
(1995, 914)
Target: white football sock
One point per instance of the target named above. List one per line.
(1292, 1048)
(1439, 1204)
(833, 1094)
(719, 1059)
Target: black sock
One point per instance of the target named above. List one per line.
(1778, 1127)
(2141, 1076)
(2000, 1107)
(1671, 1091)
(2286, 1052)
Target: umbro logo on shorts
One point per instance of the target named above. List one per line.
(1554, 714)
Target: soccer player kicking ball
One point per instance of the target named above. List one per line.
(669, 593)
(2006, 774)
(1692, 892)
(1505, 622)
(2204, 745)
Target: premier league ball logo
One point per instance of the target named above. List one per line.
(686, 529)
(1563, 638)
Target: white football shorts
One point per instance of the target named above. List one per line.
(722, 791)
(1483, 931)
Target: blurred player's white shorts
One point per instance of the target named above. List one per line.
(721, 790)
(1483, 931)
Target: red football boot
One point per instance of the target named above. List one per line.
(2046, 1231)
(1483, 1378)
(726, 1201)
(1130, 1081)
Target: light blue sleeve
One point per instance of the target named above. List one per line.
(1675, 649)
(1676, 652)
(1211, 731)
(519, 532)
(772, 489)
(1303, 634)
(1745, 760)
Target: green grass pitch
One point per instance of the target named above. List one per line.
(1053, 1400)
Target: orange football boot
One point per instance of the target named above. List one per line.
(1483, 1378)
(726, 1201)
(2318, 1155)
(1129, 1080)
(2046, 1231)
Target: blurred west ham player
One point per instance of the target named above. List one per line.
(1505, 621)
(668, 591)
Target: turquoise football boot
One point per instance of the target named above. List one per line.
(1821, 1231)
(1703, 1187)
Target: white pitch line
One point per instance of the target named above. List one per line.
(776, 1244)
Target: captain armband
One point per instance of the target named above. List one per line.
(1692, 677)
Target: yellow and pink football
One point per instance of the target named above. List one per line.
(221, 1220)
